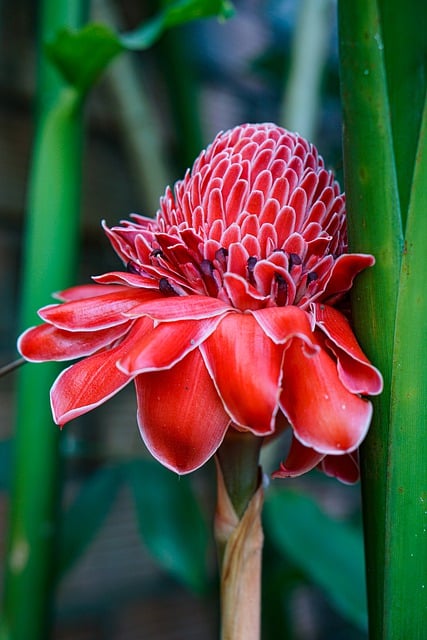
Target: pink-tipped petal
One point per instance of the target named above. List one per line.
(85, 385)
(117, 278)
(46, 342)
(92, 314)
(245, 366)
(299, 460)
(281, 324)
(354, 368)
(323, 413)
(180, 308)
(85, 291)
(241, 293)
(162, 346)
(345, 268)
(344, 468)
(181, 417)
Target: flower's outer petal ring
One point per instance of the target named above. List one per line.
(180, 308)
(354, 368)
(162, 346)
(245, 366)
(45, 342)
(99, 312)
(85, 385)
(323, 413)
(299, 460)
(345, 468)
(181, 418)
(90, 382)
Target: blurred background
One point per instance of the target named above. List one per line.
(145, 122)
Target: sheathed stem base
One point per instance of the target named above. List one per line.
(239, 543)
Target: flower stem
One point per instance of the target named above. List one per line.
(239, 536)
(239, 461)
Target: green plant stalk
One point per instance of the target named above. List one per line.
(49, 258)
(404, 28)
(374, 227)
(406, 516)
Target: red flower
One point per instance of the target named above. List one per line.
(226, 314)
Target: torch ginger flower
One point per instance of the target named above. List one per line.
(226, 315)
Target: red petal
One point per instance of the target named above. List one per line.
(181, 417)
(86, 384)
(241, 293)
(324, 414)
(99, 312)
(163, 346)
(345, 269)
(124, 278)
(354, 368)
(180, 308)
(300, 459)
(345, 468)
(49, 343)
(245, 366)
(281, 324)
(86, 291)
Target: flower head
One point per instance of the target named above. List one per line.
(226, 316)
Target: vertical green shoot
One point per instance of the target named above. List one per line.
(383, 87)
(404, 29)
(405, 581)
(374, 227)
(48, 265)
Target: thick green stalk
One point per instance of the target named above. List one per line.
(406, 517)
(374, 227)
(48, 265)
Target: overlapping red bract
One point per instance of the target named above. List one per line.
(226, 316)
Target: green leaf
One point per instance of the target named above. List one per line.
(328, 551)
(5, 464)
(171, 522)
(86, 514)
(405, 584)
(405, 54)
(174, 14)
(82, 55)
